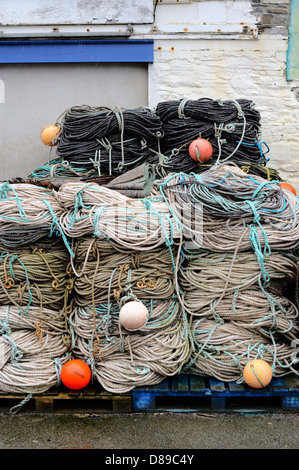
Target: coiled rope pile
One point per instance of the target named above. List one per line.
(224, 207)
(98, 141)
(28, 212)
(33, 349)
(110, 141)
(101, 264)
(236, 269)
(226, 289)
(211, 251)
(36, 275)
(121, 360)
(223, 349)
(233, 127)
(107, 277)
(35, 287)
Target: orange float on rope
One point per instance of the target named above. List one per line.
(75, 374)
(257, 373)
(289, 187)
(49, 135)
(200, 150)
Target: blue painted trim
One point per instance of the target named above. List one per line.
(74, 51)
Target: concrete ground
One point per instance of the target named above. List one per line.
(149, 431)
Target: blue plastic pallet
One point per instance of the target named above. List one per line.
(191, 393)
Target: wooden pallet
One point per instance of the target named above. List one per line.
(91, 398)
(198, 394)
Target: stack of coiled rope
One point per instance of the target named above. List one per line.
(211, 252)
(108, 275)
(34, 348)
(240, 235)
(233, 127)
(224, 207)
(91, 209)
(36, 282)
(101, 264)
(28, 212)
(121, 360)
(101, 141)
(37, 274)
(109, 141)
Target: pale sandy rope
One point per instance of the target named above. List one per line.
(206, 276)
(223, 349)
(129, 359)
(36, 274)
(33, 350)
(133, 223)
(219, 205)
(146, 274)
(254, 310)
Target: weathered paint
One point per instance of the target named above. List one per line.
(37, 12)
(293, 49)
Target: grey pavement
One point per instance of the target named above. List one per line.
(149, 431)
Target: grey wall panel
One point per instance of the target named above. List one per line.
(35, 95)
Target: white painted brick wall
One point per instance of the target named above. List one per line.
(232, 69)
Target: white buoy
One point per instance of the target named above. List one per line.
(133, 315)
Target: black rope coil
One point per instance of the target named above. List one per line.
(104, 141)
(232, 127)
(110, 141)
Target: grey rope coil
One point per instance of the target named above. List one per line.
(109, 140)
(233, 127)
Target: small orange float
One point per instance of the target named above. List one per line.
(289, 187)
(200, 150)
(49, 135)
(257, 373)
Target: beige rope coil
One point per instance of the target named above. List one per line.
(141, 224)
(254, 310)
(123, 360)
(27, 213)
(207, 276)
(224, 204)
(223, 349)
(33, 349)
(106, 271)
(37, 274)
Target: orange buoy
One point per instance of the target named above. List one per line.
(289, 187)
(200, 150)
(257, 373)
(133, 315)
(49, 135)
(75, 374)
